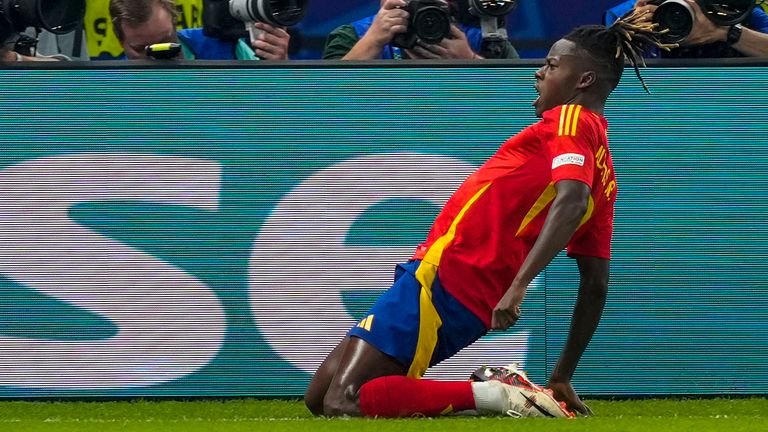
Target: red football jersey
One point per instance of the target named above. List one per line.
(487, 228)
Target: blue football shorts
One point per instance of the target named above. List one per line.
(394, 322)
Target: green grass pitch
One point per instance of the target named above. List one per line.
(694, 415)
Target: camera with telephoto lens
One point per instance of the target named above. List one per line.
(492, 15)
(279, 13)
(491, 8)
(429, 21)
(675, 17)
(234, 19)
(55, 16)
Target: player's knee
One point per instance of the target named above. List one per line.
(341, 403)
(339, 408)
(314, 403)
(315, 393)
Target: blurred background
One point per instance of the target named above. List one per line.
(532, 26)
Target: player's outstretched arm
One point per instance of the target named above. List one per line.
(593, 290)
(563, 219)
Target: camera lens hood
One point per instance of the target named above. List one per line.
(492, 8)
(281, 13)
(727, 12)
(675, 19)
(676, 16)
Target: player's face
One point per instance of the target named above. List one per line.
(557, 80)
(159, 29)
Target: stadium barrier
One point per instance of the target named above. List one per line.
(202, 230)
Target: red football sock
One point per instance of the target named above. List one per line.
(399, 396)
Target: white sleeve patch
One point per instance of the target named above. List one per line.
(568, 159)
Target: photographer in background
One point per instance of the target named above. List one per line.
(371, 38)
(23, 21)
(8, 55)
(140, 23)
(707, 39)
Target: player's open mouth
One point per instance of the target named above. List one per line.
(538, 97)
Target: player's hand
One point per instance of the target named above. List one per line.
(564, 392)
(390, 20)
(507, 311)
(455, 46)
(271, 43)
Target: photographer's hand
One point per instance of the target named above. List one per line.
(7, 55)
(646, 7)
(389, 21)
(455, 46)
(272, 42)
(704, 31)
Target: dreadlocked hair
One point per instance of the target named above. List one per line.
(629, 37)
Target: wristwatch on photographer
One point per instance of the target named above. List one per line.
(734, 34)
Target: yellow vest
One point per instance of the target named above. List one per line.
(100, 36)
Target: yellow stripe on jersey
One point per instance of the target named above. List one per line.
(588, 213)
(429, 320)
(575, 120)
(563, 110)
(569, 119)
(567, 130)
(435, 252)
(544, 199)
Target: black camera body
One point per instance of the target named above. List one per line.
(55, 16)
(676, 17)
(219, 23)
(429, 21)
